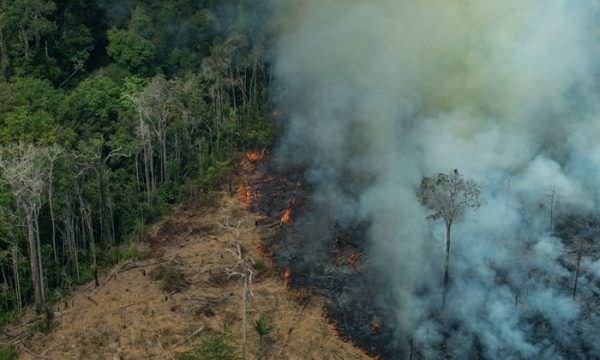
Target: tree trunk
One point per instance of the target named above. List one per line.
(244, 91)
(137, 171)
(578, 266)
(39, 251)
(103, 223)
(111, 213)
(88, 220)
(15, 265)
(447, 262)
(552, 202)
(147, 176)
(25, 44)
(165, 176)
(51, 207)
(233, 95)
(245, 317)
(34, 263)
(87, 223)
(254, 82)
(73, 243)
(7, 288)
(149, 169)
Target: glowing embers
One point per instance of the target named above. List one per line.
(265, 252)
(256, 155)
(287, 277)
(247, 196)
(354, 259)
(333, 327)
(286, 217)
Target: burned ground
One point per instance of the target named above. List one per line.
(337, 264)
(336, 268)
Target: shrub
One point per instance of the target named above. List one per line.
(8, 352)
(263, 326)
(172, 279)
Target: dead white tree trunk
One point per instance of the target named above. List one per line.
(15, 266)
(24, 167)
(243, 268)
(53, 154)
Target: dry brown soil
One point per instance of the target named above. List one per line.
(132, 315)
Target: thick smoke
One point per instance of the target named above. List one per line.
(382, 92)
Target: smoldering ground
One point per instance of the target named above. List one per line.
(381, 93)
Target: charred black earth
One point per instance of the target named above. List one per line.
(330, 259)
(337, 269)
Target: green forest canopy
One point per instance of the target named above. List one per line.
(111, 110)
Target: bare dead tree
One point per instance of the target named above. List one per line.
(24, 168)
(96, 161)
(158, 105)
(145, 152)
(448, 196)
(53, 153)
(143, 132)
(67, 218)
(243, 268)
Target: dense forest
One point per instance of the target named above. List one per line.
(110, 112)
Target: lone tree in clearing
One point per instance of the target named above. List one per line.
(448, 196)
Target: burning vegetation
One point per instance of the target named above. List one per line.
(343, 275)
(256, 155)
(459, 268)
(354, 259)
(248, 196)
(283, 198)
(286, 217)
(287, 277)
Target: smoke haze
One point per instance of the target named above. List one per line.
(382, 92)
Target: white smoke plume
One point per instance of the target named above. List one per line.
(382, 92)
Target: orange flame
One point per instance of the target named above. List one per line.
(243, 194)
(254, 156)
(286, 218)
(287, 277)
(246, 196)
